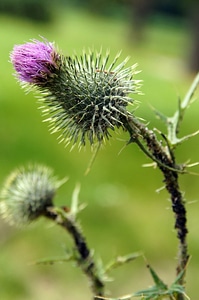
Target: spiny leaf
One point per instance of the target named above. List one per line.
(121, 260)
(186, 137)
(159, 283)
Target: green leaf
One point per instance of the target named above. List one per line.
(54, 259)
(159, 283)
(160, 115)
(121, 260)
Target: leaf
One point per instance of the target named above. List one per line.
(53, 260)
(160, 290)
(121, 260)
(159, 115)
(159, 283)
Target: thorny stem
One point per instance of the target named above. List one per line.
(85, 260)
(139, 133)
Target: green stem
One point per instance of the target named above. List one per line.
(138, 131)
(85, 260)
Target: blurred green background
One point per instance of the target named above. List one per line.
(124, 212)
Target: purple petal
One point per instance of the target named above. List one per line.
(34, 61)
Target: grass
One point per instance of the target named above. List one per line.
(124, 212)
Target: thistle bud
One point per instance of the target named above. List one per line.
(27, 194)
(85, 98)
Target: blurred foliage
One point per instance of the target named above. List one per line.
(120, 7)
(124, 213)
(42, 10)
(35, 10)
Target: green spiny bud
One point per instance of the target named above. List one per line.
(27, 194)
(88, 99)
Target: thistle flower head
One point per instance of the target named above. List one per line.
(27, 194)
(85, 97)
(34, 62)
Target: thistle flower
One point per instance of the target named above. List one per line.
(85, 97)
(35, 62)
(27, 194)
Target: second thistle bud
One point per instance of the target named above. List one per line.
(86, 97)
(27, 194)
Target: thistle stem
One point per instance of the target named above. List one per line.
(85, 259)
(139, 133)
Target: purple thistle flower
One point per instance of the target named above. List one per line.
(35, 62)
(86, 97)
